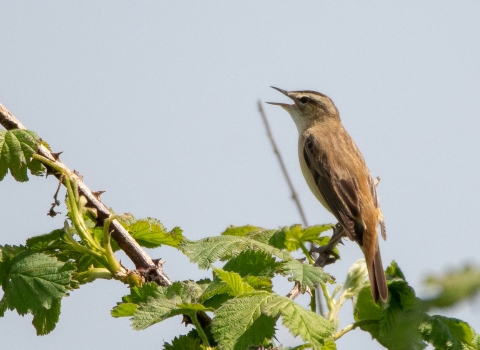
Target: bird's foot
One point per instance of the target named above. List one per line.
(326, 254)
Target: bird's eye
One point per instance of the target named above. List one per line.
(304, 99)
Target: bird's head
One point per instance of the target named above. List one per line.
(308, 107)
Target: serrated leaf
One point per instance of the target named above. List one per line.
(158, 310)
(150, 233)
(16, 150)
(252, 262)
(45, 320)
(393, 270)
(153, 312)
(259, 283)
(124, 310)
(184, 343)
(306, 274)
(46, 240)
(239, 323)
(448, 333)
(206, 251)
(301, 322)
(294, 237)
(233, 282)
(263, 236)
(177, 293)
(144, 292)
(34, 281)
(240, 230)
(185, 292)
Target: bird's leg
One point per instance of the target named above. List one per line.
(326, 255)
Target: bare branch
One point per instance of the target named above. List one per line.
(143, 263)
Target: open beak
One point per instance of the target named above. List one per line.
(284, 105)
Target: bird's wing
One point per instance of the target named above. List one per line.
(338, 190)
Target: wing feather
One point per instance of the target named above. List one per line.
(339, 193)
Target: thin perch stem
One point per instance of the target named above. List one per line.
(352, 327)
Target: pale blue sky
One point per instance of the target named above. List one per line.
(155, 102)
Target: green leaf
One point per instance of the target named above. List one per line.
(448, 333)
(206, 251)
(306, 274)
(150, 233)
(294, 237)
(46, 240)
(233, 282)
(252, 262)
(124, 310)
(16, 150)
(239, 323)
(259, 283)
(178, 292)
(278, 239)
(158, 310)
(393, 270)
(35, 281)
(3, 306)
(398, 320)
(301, 322)
(155, 311)
(184, 342)
(216, 300)
(7, 253)
(143, 293)
(454, 286)
(240, 230)
(45, 320)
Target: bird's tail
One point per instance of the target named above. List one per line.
(378, 282)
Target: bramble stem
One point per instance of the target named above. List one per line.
(352, 327)
(94, 273)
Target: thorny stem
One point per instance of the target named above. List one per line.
(352, 327)
(144, 264)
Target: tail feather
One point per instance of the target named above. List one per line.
(378, 282)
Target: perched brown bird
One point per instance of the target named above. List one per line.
(338, 176)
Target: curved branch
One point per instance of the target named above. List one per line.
(144, 264)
